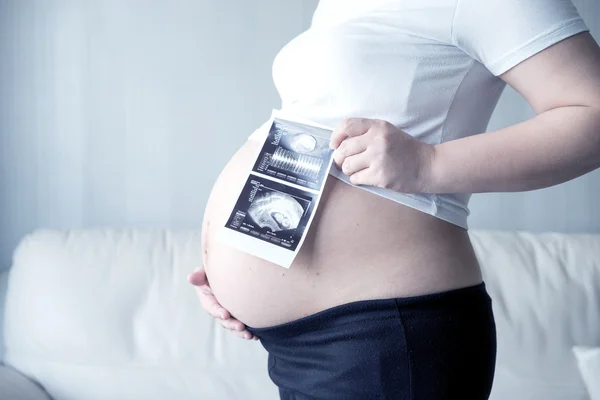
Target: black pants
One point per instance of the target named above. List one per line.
(430, 347)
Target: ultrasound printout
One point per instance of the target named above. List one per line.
(277, 202)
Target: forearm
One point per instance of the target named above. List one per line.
(552, 148)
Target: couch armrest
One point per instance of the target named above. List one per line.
(15, 386)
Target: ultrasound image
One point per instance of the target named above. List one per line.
(303, 143)
(295, 153)
(276, 211)
(296, 163)
(272, 212)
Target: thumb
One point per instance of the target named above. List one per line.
(198, 277)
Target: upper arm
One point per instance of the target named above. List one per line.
(541, 48)
(565, 74)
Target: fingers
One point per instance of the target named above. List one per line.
(232, 324)
(198, 277)
(347, 148)
(350, 127)
(237, 327)
(205, 294)
(213, 307)
(222, 316)
(355, 164)
(210, 304)
(246, 335)
(362, 177)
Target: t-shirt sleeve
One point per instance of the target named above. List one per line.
(502, 33)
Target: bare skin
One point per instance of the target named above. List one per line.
(353, 253)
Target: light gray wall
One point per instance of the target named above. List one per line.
(122, 112)
(114, 113)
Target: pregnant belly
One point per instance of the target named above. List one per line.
(360, 246)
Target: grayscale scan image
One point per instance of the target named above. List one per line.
(276, 211)
(295, 153)
(272, 212)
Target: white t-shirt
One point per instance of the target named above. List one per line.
(430, 67)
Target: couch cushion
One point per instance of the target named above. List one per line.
(103, 314)
(546, 298)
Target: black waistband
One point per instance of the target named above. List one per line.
(373, 309)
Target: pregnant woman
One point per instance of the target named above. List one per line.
(385, 299)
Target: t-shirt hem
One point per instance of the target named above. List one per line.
(433, 207)
(436, 207)
(455, 218)
(556, 34)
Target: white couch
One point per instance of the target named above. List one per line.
(109, 315)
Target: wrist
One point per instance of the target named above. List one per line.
(427, 177)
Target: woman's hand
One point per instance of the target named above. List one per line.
(211, 305)
(375, 152)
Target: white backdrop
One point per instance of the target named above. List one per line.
(122, 113)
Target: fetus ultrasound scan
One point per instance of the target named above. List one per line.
(272, 212)
(276, 211)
